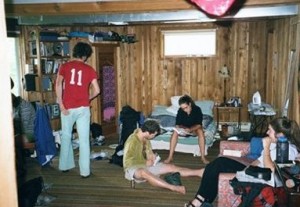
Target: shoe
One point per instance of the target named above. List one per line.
(44, 200)
(65, 171)
(202, 203)
(100, 138)
(173, 179)
(98, 143)
(87, 176)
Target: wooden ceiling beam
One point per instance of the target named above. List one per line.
(104, 7)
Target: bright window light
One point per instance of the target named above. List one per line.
(190, 43)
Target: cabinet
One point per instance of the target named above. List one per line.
(227, 113)
(45, 52)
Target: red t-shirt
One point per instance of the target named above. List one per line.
(77, 79)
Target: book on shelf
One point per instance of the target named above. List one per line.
(53, 110)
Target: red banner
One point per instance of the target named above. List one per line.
(214, 7)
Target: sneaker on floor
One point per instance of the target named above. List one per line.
(44, 200)
(100, 138)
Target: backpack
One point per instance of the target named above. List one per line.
(29, 192)
(254, 194)
(96, 130)
(130, 119)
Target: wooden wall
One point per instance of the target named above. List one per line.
(256, 52)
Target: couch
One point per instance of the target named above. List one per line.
(226, 197)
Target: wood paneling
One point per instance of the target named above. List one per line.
(256, 53)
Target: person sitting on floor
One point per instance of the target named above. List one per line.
(278, 127)
(139, 160)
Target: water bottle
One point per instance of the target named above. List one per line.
(282, 150)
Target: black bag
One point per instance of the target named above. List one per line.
(130, 120)
(115, 158)
(29, 192)
(259, 172)
(96, 130)
(173, 179)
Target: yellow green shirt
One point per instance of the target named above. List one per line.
(133, 152)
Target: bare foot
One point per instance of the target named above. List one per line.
(204, 160)
(179, 189)
(168, 161)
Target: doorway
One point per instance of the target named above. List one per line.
(105, 58)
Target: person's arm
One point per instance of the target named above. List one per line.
(268, 163)
(58, 90)
(265, 157)
(150, 155)
(95, 89)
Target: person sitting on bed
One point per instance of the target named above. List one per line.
(139, 160)
(189, 117)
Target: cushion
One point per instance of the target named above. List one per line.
(173, 109)
(161, 110)
(206, 120)
(165, 120)
(256, 147)
(206, 107)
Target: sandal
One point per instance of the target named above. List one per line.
(190, 204)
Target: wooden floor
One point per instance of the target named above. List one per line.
(107, 185)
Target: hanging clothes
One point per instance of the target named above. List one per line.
(44, 139)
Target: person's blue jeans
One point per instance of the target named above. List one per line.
(81, 116)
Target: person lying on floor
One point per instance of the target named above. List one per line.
(278, 127)
(139, 160)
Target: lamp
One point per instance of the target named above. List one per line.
(225, 74)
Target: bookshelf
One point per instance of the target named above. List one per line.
(45, 50)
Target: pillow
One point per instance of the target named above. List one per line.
(173, 109)
(165, 120)
(206, 120)
(206, 107)
(174, 101)
(256, 147)
(161, 110)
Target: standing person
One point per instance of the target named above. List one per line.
(278, 127)
(139, 160)
(73, 94)
(189, 117)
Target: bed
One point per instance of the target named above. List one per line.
(166, 116)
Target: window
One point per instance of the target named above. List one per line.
(190, 43)
(12, 48)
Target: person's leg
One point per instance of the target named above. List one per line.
(66, 156)
(184, 172)
(201, 142)
(173, 143)
(83, 130)
(143, 174)
(209, 183)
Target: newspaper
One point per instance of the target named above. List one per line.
(182, 132)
